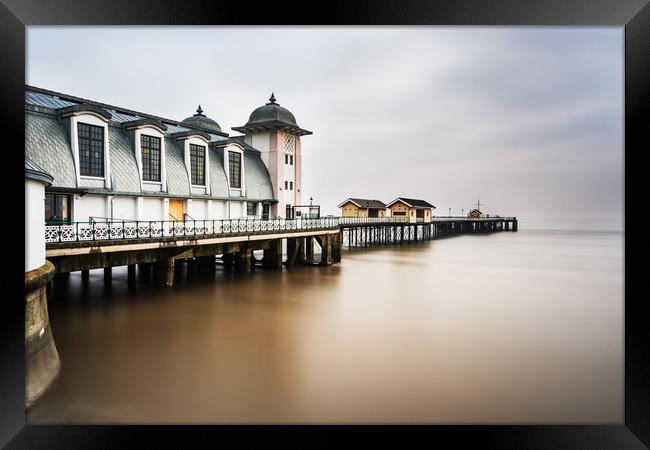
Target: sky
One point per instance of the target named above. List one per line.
(527, 119)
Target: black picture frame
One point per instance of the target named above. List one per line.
(634, 15)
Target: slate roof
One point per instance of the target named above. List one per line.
(258, 181)
(36, 173)
(125, 176)
(178, 182)
(366, 204)
(218, 180)
(412, 202)
(47, 146)
(55, 100)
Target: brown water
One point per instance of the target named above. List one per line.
(502, 328)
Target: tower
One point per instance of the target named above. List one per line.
(273, 131)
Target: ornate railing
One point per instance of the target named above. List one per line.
(125, 229)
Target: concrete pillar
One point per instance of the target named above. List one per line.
(205, 265)
(145, 271)
(191, 267)
(273, 255)
(164, 271)
(42, 363)
(294, 249)
(85, 275)
(514, 225)
(243, 262)
(309, 250)
(337, 243)
(108, 274)
(131, 274)
(228, 261)
(326, 255)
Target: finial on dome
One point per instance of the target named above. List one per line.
(272, 100)
(199, 111)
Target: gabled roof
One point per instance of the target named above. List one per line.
(412, 202)
(365, 203)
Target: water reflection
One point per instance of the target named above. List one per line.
(510, 327)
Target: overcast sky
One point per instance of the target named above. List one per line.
(528, 119)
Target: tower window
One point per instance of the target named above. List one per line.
(197, 164)
(286, 184)
(286, 158)
(91, 150)
(291, 185)
(150, 157)
(234, 166)
(291, 159)
(289, 143)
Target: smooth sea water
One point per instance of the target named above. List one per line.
(522, 327)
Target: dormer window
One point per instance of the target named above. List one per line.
(91, 150)
(197, 164)
(234, 166)
(150, 148)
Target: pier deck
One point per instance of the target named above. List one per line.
(158, 244)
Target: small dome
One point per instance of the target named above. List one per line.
(272, 116)
(199, 120)
(270, 112)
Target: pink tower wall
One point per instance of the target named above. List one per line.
(298, 183)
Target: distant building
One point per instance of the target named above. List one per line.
(412, 210)
(475, 214)
(359, 207)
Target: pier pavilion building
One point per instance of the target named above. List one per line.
(112, 163)
(412, 209)
(360, 207)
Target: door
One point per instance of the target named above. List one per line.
(177, 210)
(373, 213)
(265, 211)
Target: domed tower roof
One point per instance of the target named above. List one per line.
(202, 122)
(272, 116)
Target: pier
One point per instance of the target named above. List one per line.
(159, 246)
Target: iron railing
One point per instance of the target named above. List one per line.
(131, 229)
(125, 229)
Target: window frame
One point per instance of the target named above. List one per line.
(92, 160)
(149, 159)
(231, 166)
(195, 166)
(53, 199)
